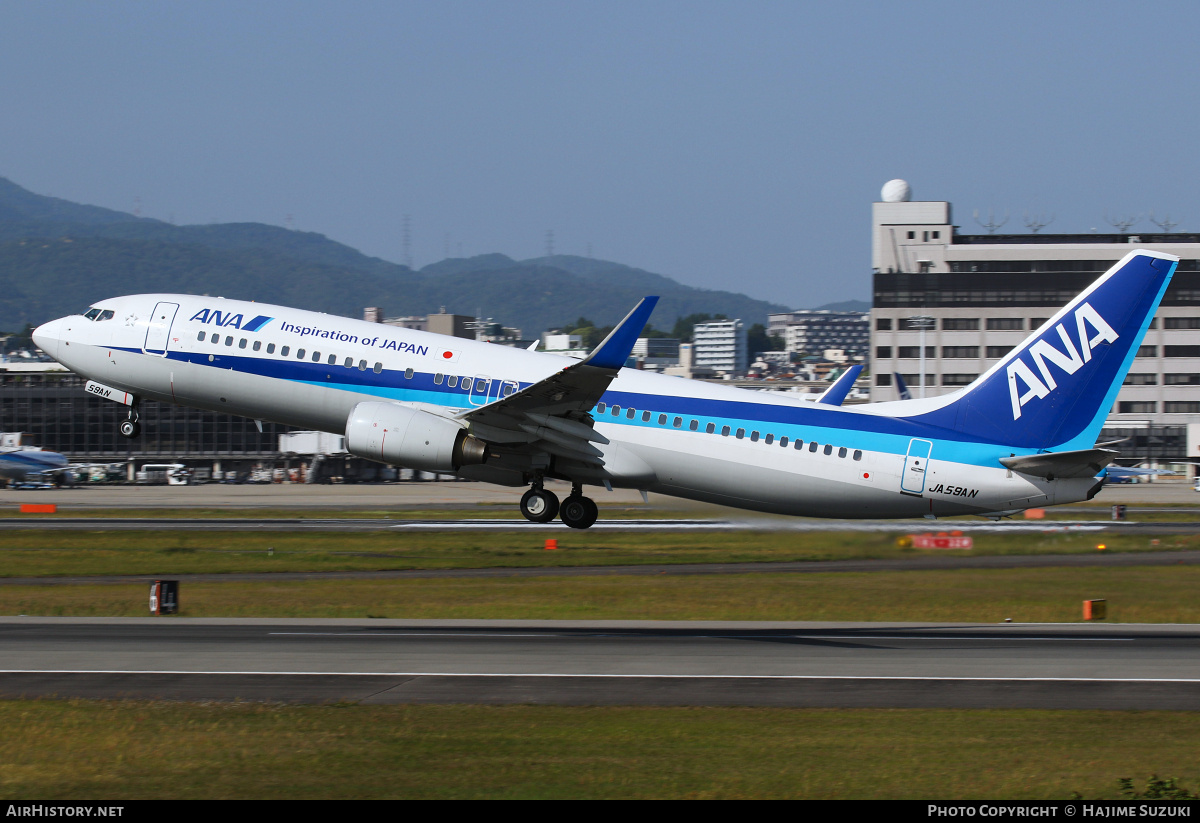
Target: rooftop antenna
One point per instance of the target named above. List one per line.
(406, 241)
(1037, 222)
(991, 225)
(1122, 224)
(1166, 223)
(549, 242)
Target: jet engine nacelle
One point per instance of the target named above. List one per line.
(407, 436)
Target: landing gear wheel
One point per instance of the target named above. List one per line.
(539, 505)
(578, 512)
(130, 428)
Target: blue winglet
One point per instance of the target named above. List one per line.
(614, 350)
(835, 394)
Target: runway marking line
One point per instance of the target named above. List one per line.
(628, 676)
(548, 636)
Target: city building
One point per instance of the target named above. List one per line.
(967, 300)
(809, 331)
(720, 346)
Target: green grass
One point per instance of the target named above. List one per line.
(129, 750)
(38, 553)
(1134, 595)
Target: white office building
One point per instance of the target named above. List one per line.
(720, 346)
(812, 331)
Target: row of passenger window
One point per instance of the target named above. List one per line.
(450, 380)
(740, 434)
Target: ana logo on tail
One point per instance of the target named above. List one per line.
(1070, 359)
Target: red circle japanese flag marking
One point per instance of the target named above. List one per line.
(449, 355)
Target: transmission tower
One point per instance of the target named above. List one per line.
(406, 242)
(1122, 224)
(1166, 223)
(1037, 222)
(991, 225)
(549, 242)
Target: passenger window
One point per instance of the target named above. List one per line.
(451, 381)
(229, 340)
(769, 439)
(216, 339)
(349, 363)
(858, 454)
(466, 384)
(645, 417)
(615, 411)
(812, 447)
(362, 365)
(299, 354)
(242, 343)
(284, 351)
(200, 337)
(509, 388)
(695, 424)
(740, 434)
(753, 437)
(316, 358)
(378, 368)
(438, 378)
(677, 422)
(270, 348)
(600, 407)
(799, 445)
(724, 431)
(257, 345)
(662, 420)
(710, 428)
(828, 449)
(630, 413)
(332, 360)
(783, 442)
(842, 451)
(408, 374)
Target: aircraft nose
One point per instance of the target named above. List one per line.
(47, 337)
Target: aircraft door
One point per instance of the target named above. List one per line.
(480, 388)
(158, 330)
(916, 465)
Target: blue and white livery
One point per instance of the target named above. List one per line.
(1022, 435)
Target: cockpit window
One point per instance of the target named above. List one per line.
(92, 314)
(107, 314)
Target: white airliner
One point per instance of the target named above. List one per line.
(1022, 435)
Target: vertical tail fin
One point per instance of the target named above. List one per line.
(1056, 389)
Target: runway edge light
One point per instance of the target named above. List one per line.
(1095, 609)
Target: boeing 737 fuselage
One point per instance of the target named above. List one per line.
(1023, 434)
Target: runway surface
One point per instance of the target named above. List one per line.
(590, 662)
(348, 525)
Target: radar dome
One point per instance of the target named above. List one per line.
(896, 191)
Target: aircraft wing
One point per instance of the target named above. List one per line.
(554, 411)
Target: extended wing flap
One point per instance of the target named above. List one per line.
(1055, 465)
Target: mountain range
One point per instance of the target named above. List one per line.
(56, 257)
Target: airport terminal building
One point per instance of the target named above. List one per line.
(969, 299)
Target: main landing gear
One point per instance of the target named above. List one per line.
(542, 506)
(130, 427)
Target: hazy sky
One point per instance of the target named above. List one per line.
(733, 145)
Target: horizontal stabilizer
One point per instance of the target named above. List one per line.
(1056, 465)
